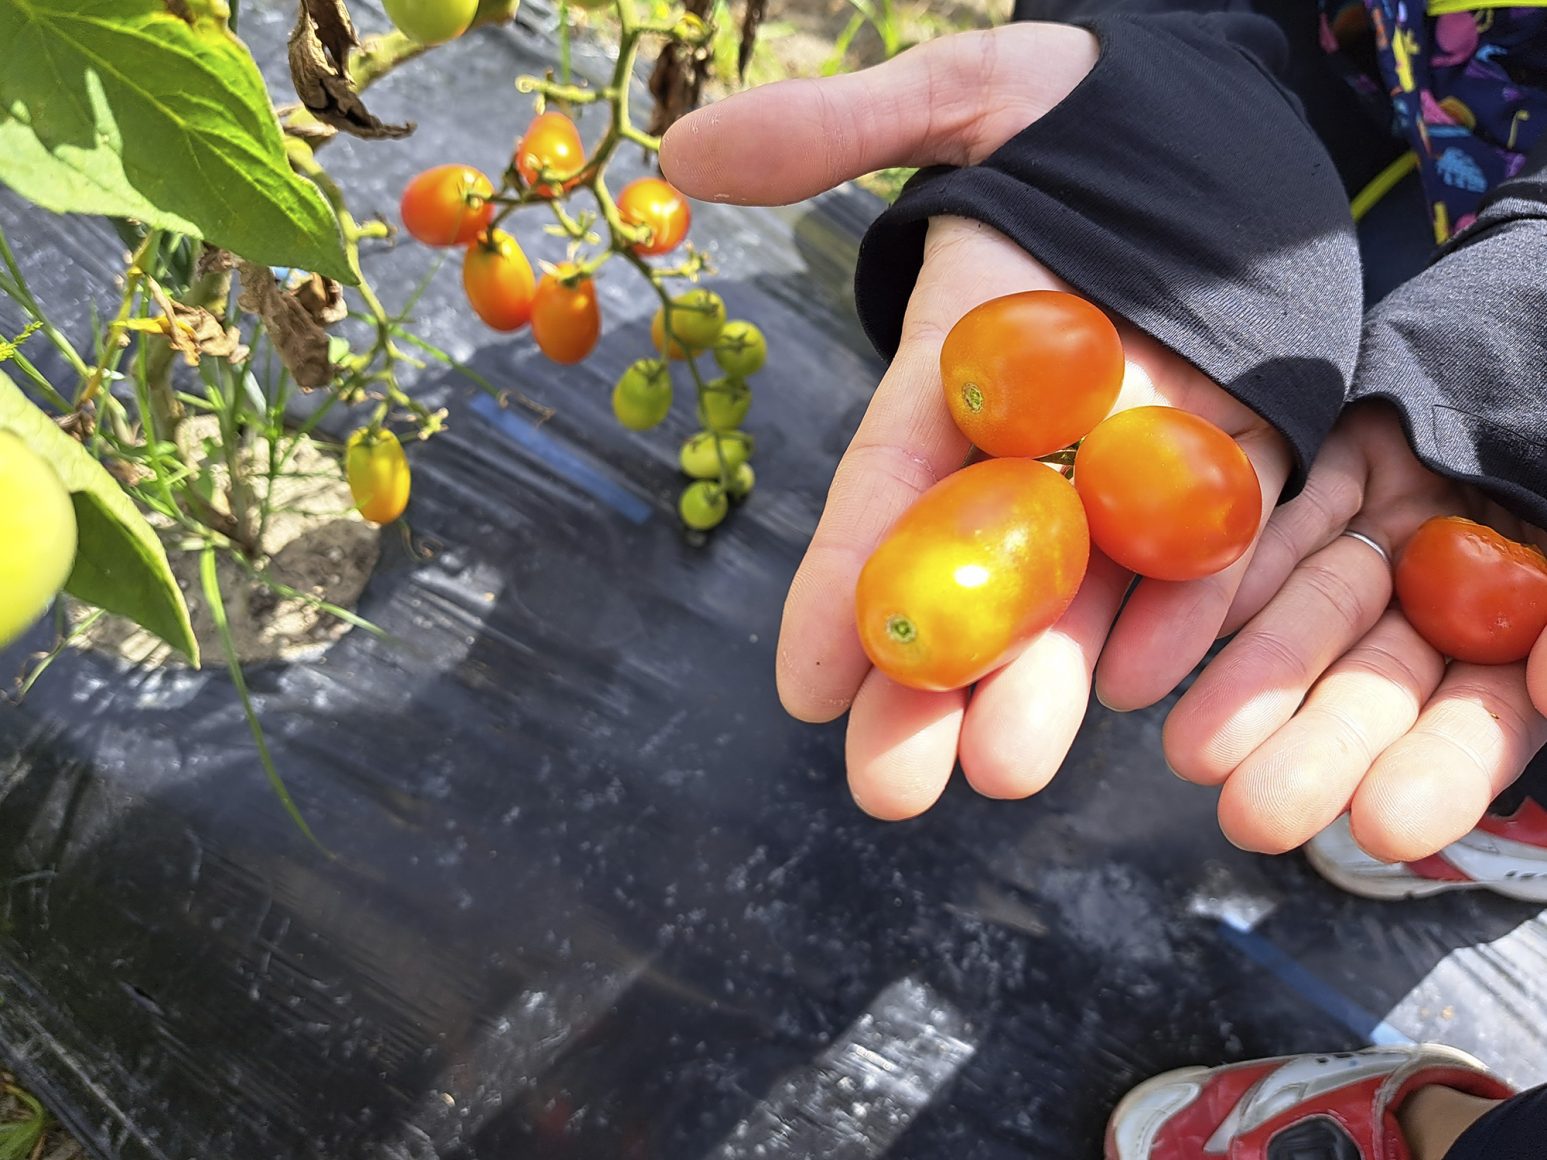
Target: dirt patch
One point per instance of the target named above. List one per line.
(316, 545)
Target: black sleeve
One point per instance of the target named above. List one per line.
(1461, 350)
(1180, 187)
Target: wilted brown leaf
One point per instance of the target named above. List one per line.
(324, 85)
(302, 344)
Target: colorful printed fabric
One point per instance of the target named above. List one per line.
(1466, 88)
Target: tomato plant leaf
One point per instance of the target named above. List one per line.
(121, 108)
(120, 564)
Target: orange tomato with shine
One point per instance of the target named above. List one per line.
(448, 205)
(565, 319)
(1030, 373)
(981, 563)
(650, 201)
(550, 147)
(498, 281)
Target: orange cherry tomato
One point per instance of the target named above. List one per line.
(984, 561)
(565, 318)
(649, 201)
(498, 281)
(448, 205)
(1031, 373)
(1168, 494)
(550, 147)
(1473, 594)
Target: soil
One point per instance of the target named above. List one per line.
(316, 543)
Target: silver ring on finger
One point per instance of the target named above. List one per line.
(1374, 545)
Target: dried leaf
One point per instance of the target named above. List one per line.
(192, 331)
(677, 84)
(335, 31)
(301, 343)
(326, 91)
(322, 298)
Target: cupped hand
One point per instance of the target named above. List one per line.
(1326, 699)
(953, 101)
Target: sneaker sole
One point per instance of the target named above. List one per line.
(1143, 1101)
(1398, 889)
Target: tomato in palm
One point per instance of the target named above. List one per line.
(551, 148)
(642, 396)
(431, 21)
(1472, 593)
(981, 563)
(565, 318)
(377, 471)
(448, 205)
(1031, 373)
(498, 281)
(1168, 494)
(649, 201)
(37, 536)
(741, 349)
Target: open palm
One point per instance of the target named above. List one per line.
(953, 101)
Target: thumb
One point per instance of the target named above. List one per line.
(948, 101)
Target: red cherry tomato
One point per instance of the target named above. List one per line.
(551, 146)
(565, 318)
(448, 205)
(984, 561)
(498, 280)
(649, 201)
(1470, 592)
(1168, 494)
(1030, 373)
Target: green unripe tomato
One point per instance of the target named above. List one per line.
(724, 403)
(741, 349)
(431, 21)
(743, 479)
(697, 318)
(698, 457)
(642, 396)
(37, 536)
(703, 505)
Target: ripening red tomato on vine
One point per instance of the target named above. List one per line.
(565, 319)
(1472, 593)
(1167, 493)
(981, 563)
(498, 281)
(1031, 373)
(551, 146)
(649, 201)
(448, 205)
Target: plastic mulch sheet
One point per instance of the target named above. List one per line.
(595, 895)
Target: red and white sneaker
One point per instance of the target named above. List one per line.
(1507, 855)
(1299, 1107)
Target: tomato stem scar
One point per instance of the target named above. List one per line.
(973, 397)
(901, 629)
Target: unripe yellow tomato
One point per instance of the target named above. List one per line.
(378, 474)
(37, 536)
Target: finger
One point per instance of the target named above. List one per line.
(949, 101)
(901, 746)
(1536, 675)
(1297, 782)
(1255, 685)
(1167, 628)
(1472, 739)
(1333, 494)
(1023, 719)
(905, 443)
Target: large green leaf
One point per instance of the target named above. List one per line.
(118, 107)
(120, 564)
